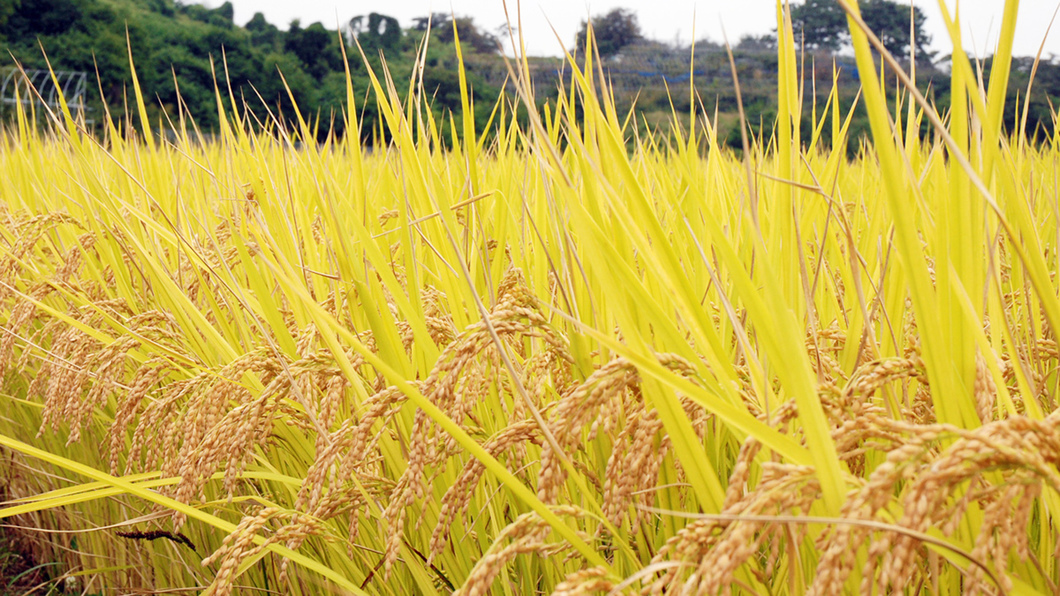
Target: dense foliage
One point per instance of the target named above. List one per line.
(190, 46)
(612, 31)
(187, 47)
(822, 24)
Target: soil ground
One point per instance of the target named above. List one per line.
(19, 573)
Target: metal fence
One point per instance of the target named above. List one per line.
(33, 87)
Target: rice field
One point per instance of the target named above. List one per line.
(571, 357)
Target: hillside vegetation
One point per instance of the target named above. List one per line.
(186, 47)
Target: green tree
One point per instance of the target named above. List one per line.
(43, 17)
(471, 36)
(7, 9)
(613, 31)
(263, 33)
(220, 17)
(822, 24)
(315, 46)
(889, 20)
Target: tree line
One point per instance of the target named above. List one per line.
(182, 49)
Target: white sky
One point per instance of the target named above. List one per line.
(664, 20)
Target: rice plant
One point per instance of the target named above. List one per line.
(571, 357)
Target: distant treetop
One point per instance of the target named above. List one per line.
(822, 24)
(612, 31)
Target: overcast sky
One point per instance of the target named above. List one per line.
(664, 20)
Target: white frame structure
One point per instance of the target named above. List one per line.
(16, 87)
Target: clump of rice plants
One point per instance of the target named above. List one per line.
(572, 357)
